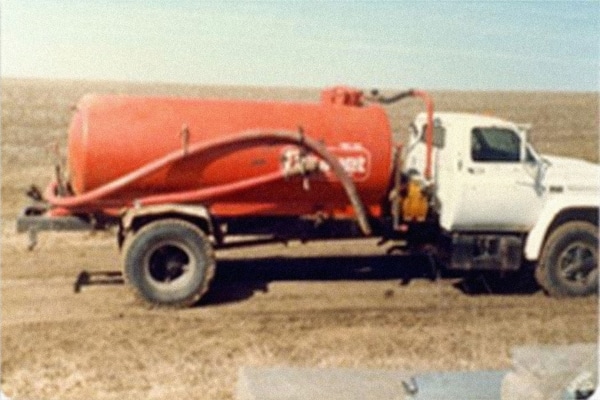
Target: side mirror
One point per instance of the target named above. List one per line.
(439, 134)
(542, 167)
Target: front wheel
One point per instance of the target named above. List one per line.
(169, 262)
(569, 262)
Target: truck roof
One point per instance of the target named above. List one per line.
(466, 119)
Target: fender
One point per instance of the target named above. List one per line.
(197, 212)
(572, 201)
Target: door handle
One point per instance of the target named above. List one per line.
(475, 171)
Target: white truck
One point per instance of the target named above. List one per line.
(501, 205)
(178, 177)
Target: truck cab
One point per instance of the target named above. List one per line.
(491, 186)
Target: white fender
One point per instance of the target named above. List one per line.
(195, 211)
(553, 207)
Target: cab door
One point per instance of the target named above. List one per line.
(495, 186)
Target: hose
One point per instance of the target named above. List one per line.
(91, 199)
(211, 192)
(375, 96)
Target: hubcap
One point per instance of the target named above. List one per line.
(168, 262)
(578, 263)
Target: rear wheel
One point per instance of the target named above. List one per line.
(169, 262)
(569, 262)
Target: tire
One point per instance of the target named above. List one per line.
(568, 266)
(169, 263)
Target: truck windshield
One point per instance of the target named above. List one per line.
(495, 144)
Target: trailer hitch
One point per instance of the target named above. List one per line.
(34, 219)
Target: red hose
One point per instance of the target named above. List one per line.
(92, 199)
(429, 107)
(192, 196)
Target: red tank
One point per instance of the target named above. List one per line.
(112, 136)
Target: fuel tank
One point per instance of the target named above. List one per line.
(113, 135)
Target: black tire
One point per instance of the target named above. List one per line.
(169, 262)
(568, 265)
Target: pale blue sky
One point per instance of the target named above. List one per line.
(507, 45)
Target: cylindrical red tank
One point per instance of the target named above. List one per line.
(111, 136)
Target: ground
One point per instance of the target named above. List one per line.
(319, 305)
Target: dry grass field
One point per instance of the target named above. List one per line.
(316, 305)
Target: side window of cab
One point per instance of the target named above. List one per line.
(494, 144)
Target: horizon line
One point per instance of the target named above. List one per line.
(280, 86)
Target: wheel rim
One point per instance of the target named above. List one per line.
(578, 264)
(169, 263)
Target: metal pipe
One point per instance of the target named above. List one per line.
(429, 108)
(429, 131)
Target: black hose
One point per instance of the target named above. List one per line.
(376, 97)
